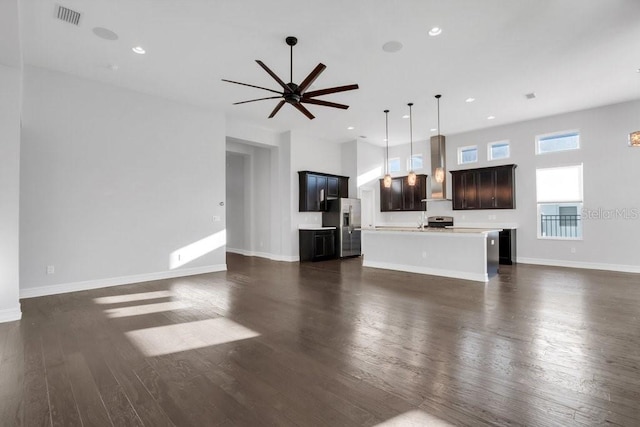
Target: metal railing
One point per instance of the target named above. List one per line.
(560, 226)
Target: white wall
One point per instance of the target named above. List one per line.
(611, 174)
(10, 105)
(114, 182)
(349, 164)
(10, 87)
(238, 204)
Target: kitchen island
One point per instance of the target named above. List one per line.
(462, 253)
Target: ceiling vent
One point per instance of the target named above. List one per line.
(68, 15)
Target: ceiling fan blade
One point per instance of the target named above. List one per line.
(311, 77)
(303, 110)
(245, 84)
(275, 77)
(324, 103)
(330, 90)
(259, 99)
(275, 110)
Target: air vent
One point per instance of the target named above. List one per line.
(68, 15)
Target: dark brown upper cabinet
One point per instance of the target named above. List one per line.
(484, 188)
(403, 197)
(316, 188)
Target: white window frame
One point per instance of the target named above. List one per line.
(466, 148)
(391, 171)
(560, 203)
(560, 133)
(492, 144)
(409, 165)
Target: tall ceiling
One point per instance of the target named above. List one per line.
(572, 54)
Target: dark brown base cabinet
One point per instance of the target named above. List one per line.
(507, 241)
(403, 197)
(316, 188)
(317, 245)
(484, 188)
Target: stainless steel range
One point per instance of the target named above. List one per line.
(440, 221)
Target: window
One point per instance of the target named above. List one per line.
(467, 154)
(498, 150)
(562, 141)
(418, 163)
(394, 165)
(559, 196)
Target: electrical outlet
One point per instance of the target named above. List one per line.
(216, 218)
(573, 249)
(51, 269)
(424, 254)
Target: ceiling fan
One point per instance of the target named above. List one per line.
(294, 94)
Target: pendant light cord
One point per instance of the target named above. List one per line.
(438, 98)
(411, 134)
(386, 119)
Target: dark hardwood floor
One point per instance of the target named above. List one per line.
(331, 343)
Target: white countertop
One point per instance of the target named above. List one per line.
(315, 227)
(446, 230)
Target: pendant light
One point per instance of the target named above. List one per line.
(634, 137)
(411, 179)
(439, 173)
(387, 177)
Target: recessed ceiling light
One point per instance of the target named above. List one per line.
(384, 139)
(469, 100)
(406, 116)
(491, 117)
(350, 128)
(105, 33)
(638, 70)
(139, 50)
(113, 67)
(435, 31)
(392, 46)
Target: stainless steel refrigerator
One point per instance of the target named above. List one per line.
(344, 214)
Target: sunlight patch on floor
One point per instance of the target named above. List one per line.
(132, 297)
(188, 336)
(415, 418)
(195, 250)
(369, 176)
(145, 309)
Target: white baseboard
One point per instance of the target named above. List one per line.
(10, 314)
(580, 264)
(117, 281)
(477, 277)
(266, 255)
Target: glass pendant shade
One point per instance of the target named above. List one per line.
(634, 139)
(439, 175)
(387, 177)
(411, 179)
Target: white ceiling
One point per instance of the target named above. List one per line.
(573, 54)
